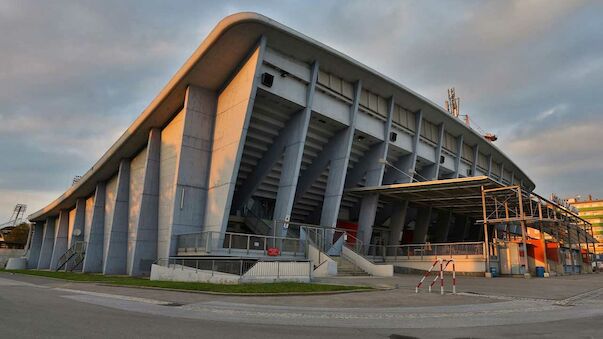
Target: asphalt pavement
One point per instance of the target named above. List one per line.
(34, 307)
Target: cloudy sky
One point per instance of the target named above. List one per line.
(75, 74)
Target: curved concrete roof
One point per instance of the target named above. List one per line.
(211, 65)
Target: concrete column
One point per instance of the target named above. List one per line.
(60, 238)
(442, 226)
(77, 233)
(47, 244)
(144, 242)
(422, 225)
(35, 245)
(116, 256)
(475, 158)
(233, 113)
(338, 166)
(374, 177)
(396, 224)
(294, 151)
(93, 261)
(459, 154)
(490, 165)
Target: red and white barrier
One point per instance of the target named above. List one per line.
(443, 265)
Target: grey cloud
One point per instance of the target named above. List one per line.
(74, 75)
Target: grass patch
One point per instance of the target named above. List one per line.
(280, 287)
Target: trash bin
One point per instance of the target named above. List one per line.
(494, 272)
(540, 271)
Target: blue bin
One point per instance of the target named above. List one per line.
(540, 271)
(494, 272)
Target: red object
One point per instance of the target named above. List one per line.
(274, 252)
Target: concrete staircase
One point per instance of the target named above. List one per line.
(347, 268)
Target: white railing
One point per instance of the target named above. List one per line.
(401, 252)
(209, 242)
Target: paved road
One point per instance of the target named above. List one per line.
(40, 308)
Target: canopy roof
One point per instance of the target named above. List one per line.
(464, 196)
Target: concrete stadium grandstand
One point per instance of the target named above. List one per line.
(267, 144)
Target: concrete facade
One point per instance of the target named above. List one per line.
(244, 123)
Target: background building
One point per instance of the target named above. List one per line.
(591, 210)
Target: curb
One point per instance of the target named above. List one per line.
(280, 294)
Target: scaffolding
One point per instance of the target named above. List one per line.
(511, 204)
(510, 209)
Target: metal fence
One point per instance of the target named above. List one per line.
(466, 249)
(243, 267)
(208, 242)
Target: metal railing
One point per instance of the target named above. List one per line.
(77, 251)
(397, 252)
(229, 242)
(250, 268)
(238, 266)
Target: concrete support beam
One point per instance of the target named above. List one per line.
(93, 261)
(338, 166)
(294, 151)
(47, 244)
(459, 154)
(193, 164)
(422, 225)
(35, 245)
(61, 233)
(490, 165)
(77, 233)
(442, 226)
(114, 261)
(374, 170)
(144, 238)
(233, 113)
(396, 224)
(475, 159)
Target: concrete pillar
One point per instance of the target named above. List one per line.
(338, 166)
(47, 244)
(60, 238)
(233, 113)
(475, 159)
(442, 226)
(422, 225)
(114, 261)
(396, 224)
(93, 261)
(144, 243)
(77, 233)
(35, 245)
(294, 151)
(459, 154)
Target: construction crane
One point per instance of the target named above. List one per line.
(453, 106)
(17, 218)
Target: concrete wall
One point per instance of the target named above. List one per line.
(324, 265)
(183, 273)
(472, 264)
(384, 270)
(7, 253)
